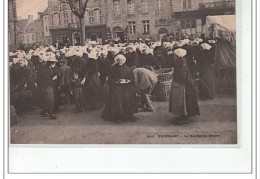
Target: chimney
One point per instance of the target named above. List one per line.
(39, 15)
(30, 19)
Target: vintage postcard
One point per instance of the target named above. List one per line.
(129, 86)
(122, 71)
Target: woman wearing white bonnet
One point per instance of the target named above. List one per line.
(180, 52)
(182, 101)
(91, 82)
(121, 105)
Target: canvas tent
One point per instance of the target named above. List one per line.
(223, 28)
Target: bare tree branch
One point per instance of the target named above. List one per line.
(73, 8)
(85, 6)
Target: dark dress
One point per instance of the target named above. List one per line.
(132, 59)
(205, 60)
(45, 83)
(148, 60)
(64, 81)
(121, 103)
(191, 50)
(104, 66)
(161, 61)
(22, 96)
(78, 93)
(183, 97)
(92, 86)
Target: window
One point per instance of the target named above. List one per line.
(46, 29)
(130, 7)
(144, 6)
(27, 38)
(91, 16)
(32, 37)
(60, 18)
(187, 4)
(66, 17)
(189, 23)
(97, 16)
(117, 8)
(146, 27)
(131, 26)
(184, 4)
(54, 18)
(159, 5)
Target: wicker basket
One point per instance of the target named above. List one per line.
(164, 74)
(162, 89)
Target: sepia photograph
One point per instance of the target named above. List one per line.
(122, 72)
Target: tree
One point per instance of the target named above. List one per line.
(78, 8)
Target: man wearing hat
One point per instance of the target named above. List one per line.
(45, 82)
(132, 58)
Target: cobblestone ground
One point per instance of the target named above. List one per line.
(217, 124)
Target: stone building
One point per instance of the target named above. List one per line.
(132, 19)
(128, 20)
(61, 23)
(12, 24)
(30, 32)
(46, 26)
(190, 15)
(95, 21)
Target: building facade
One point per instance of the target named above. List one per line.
(12, 25)
(61, 23)
(190, 15)
(30, 32)
(129, 20)
(46, 26)
(95, 21)
(132, 19)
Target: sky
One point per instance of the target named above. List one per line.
(30, 7)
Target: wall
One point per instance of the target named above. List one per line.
(153, 15)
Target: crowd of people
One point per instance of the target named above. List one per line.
(120, 77)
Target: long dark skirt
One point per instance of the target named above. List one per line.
(92, 92)
(45, 98)
(183, 100)
(121, 103)
(207, 76)
(191, 102)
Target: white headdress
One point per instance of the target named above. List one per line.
(206, 46)
(180, 52)
(93, 55)
(120, 57)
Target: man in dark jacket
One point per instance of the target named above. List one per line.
(132, 58)
(64, 78)
(45, 80)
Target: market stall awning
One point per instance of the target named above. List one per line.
(222, 27)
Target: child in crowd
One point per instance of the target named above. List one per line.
(77, 91)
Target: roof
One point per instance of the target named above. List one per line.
(45, 12)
